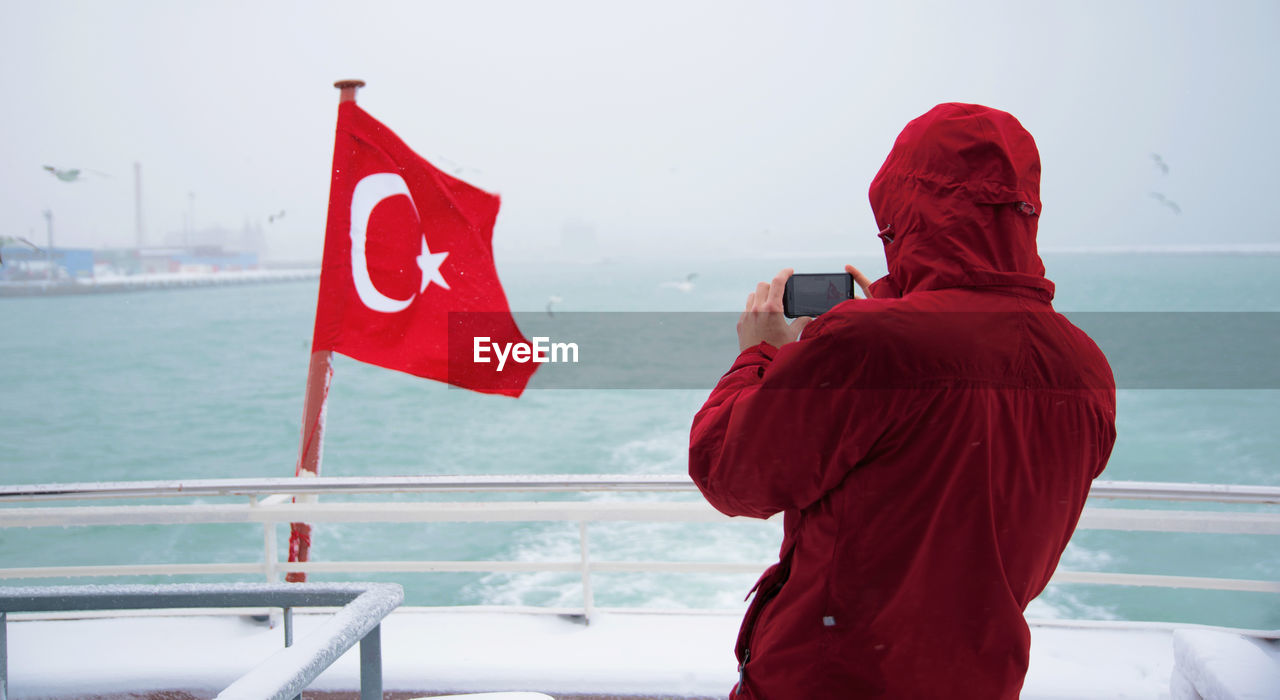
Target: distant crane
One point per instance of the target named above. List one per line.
(18, 239)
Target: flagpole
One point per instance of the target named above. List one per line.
(319, 375)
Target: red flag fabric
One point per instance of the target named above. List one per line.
(408, 259)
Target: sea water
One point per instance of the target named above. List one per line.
(208, 383)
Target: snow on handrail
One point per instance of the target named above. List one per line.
(1126, 490)
(1131, 519)
(346, 485)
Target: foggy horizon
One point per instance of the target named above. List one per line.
(712, 129)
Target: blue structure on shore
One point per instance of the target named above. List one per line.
(26, 263)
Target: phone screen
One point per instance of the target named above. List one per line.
(812, 294)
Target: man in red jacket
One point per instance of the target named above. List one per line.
(931, 447)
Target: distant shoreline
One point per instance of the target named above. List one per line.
(135, 283)
(1242, 249)
(526, 257)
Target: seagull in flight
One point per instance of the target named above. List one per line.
(1173, 206)
(1164, 167)
(457, 169)
(72, 174)
(685, 286)
(273, 217)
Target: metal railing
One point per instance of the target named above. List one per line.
(269, 502)
(283, 675)
(1133, 490)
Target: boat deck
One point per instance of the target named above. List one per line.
(438, 651)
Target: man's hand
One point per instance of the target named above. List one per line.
(762, 321)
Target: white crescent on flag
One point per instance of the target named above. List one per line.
(367, 195)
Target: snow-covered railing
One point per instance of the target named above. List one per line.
(284, 674)
(269, 502)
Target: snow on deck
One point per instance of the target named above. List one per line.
(430, 650)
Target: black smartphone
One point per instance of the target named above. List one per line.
(815, 293)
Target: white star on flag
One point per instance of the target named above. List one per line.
(430, 264)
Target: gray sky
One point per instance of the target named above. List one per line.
(661, 126)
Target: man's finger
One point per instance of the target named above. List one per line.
(777, 287)
(860, 279)
(751, 300)
(762, 294)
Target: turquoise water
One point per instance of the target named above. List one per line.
(206, 383)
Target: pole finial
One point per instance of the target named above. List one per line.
(348, 88)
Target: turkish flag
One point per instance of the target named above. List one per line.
(408, 260)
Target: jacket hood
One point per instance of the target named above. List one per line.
(957, 202)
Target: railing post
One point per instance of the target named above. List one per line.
(270, 559)
(4, 655)
(270, 548)
(588, 601)
(371, 665)
(288, 634)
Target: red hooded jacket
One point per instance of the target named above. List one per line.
(932, 447)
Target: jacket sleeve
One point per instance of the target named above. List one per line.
(783, 427)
